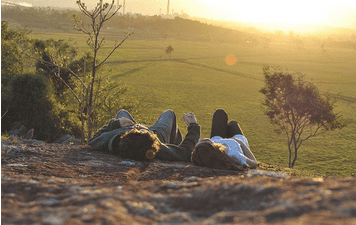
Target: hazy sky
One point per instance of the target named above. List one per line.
(285, 12)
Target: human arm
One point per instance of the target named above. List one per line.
(112, 125)
(125, 122)
(251, 160)
(189, 118)
(183, 151)
(101, 138)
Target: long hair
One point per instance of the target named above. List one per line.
(140, 145)
(210, 154)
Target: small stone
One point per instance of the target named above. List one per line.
(144, 209)
(119, 187)
(29, 134)
(16, 165)
(127, 163)
(51, 201)
(87, 218)
(253, 173)
(191, 179)
(52, 220)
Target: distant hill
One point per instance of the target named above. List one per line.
(152, 26)
(194, 29)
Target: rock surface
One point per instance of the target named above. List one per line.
(72, 184)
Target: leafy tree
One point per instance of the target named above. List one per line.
(14, 46)
(169, 50)
(53, 58)
(297, 108)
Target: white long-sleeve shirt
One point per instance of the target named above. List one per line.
(232, 147)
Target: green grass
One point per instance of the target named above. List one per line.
(191, 86)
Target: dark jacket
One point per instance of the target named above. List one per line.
(102, 141)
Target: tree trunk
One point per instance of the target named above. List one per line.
(90, 103)
(295, 156)
(82, 136)
(290, 156)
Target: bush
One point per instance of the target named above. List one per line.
(31, 103)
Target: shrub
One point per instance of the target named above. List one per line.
(31, 103)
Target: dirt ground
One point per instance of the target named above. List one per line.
(68, 184)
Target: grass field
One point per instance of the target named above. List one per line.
(204, 82)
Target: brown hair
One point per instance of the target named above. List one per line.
(140, 145)
(210, 154)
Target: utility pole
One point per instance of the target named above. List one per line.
(123, 12)
(117, 6)
(168, 8)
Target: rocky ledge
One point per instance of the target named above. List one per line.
(72, 184)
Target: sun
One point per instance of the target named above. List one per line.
(287, 12)
(302, 12)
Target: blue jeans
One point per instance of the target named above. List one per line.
(165, 127)
(124, 113)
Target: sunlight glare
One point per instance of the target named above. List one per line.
(303, 12)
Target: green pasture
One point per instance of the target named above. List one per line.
(202, 82)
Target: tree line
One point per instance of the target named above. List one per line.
(179, 28)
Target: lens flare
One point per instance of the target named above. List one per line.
(230, 60)
(150, 154)
(133, 174)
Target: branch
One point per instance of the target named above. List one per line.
(113, 14)
(116, 47)
(65, 83)
(83, 8)
(101, 42)
(4, 114)
(47, 64)
(80, 26)
(96, 10)
(105, 17)
(61, 67)
(313, 134)
(98, 91)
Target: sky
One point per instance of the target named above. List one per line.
(336, 13)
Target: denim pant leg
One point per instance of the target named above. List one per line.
(165, 127)
(124, 113)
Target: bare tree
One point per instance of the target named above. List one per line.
(87, 90)
(98, 16)
(297, 108)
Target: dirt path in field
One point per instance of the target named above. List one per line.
(183, 60)
(164, 59)
(62, 184)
